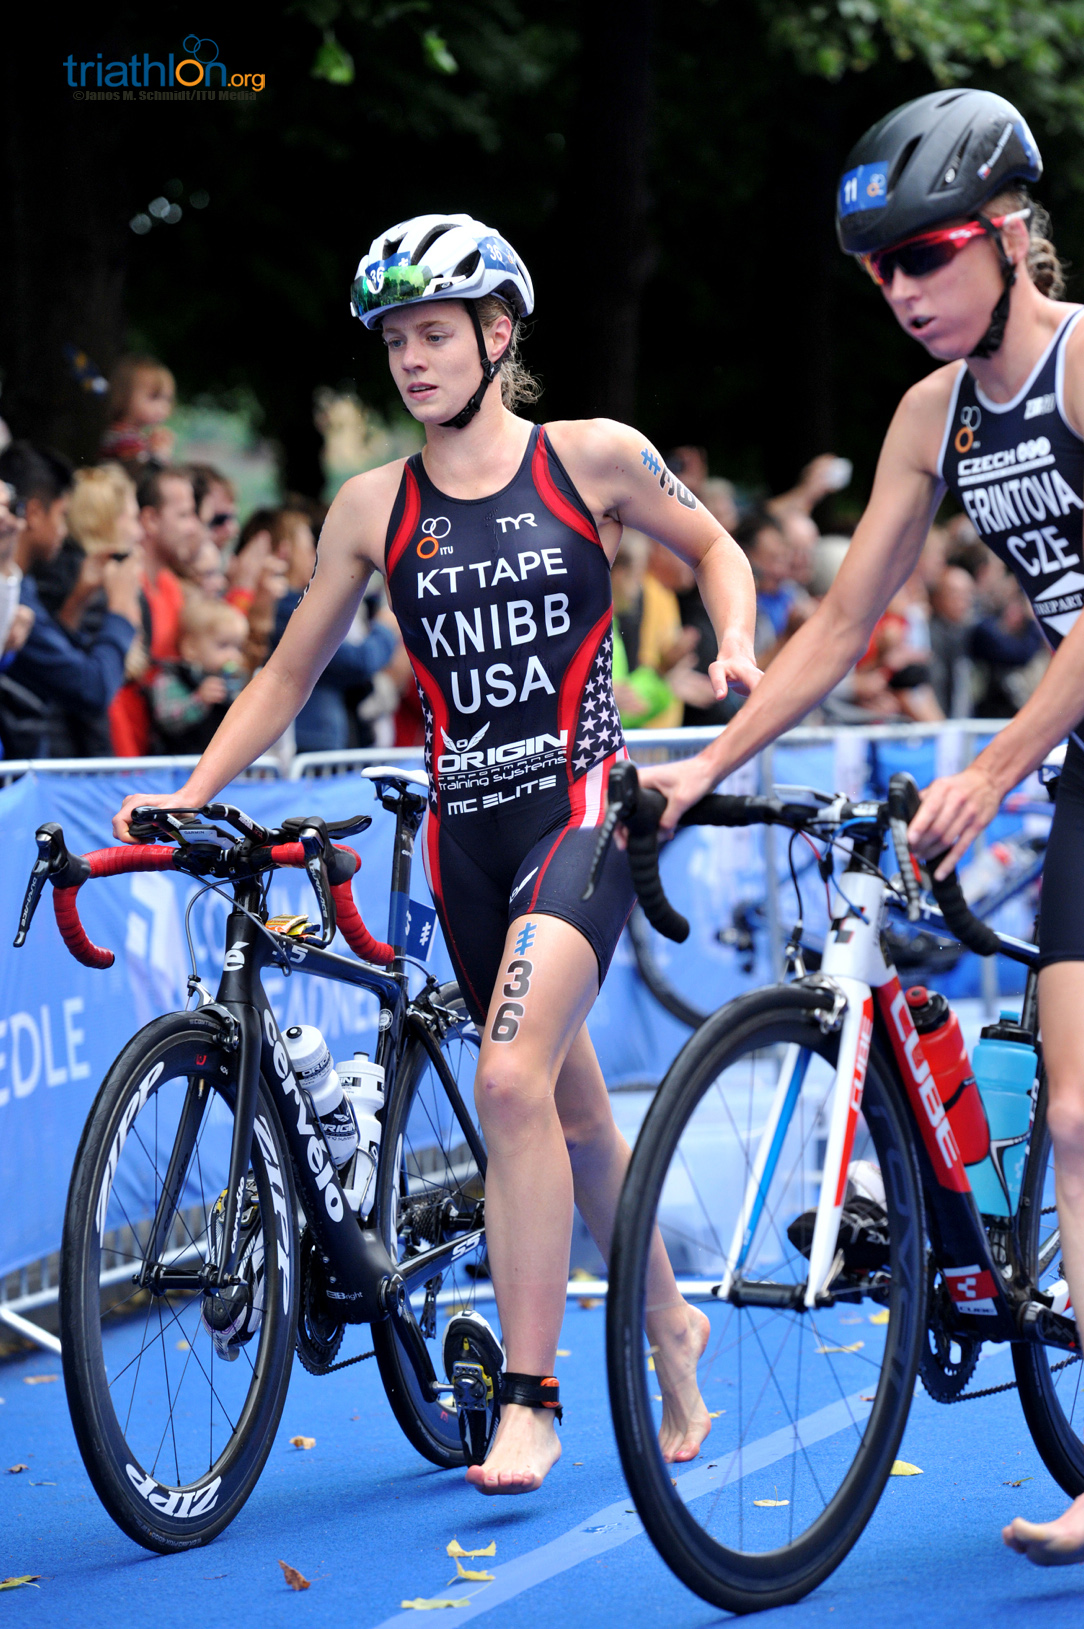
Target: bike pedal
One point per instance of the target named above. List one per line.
(474, 1362)
(469, 1338)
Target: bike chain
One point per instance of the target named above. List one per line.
(346, 1362)
(1010, 1385)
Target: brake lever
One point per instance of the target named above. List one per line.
(903, 801)
(53, 861)
(621, 794)
(312, 841)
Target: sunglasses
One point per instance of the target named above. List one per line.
(928, 251)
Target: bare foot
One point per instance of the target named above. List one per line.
(524, 1450)
(678, 1338)
(1049, 1544)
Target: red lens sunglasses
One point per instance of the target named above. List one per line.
(929, 251)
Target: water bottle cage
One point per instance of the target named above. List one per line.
(532, 1391)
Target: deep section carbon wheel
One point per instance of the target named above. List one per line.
(430, 1190)
(807, 1407)
(175, 1393)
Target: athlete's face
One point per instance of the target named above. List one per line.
(433, 354)
(948, 310)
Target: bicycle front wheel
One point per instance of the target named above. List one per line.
(430, 1191)
(1050, 1380)
(807, 1408)
(175, 1395)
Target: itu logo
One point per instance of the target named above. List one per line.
(197, 67)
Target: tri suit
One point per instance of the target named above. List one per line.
(1017, 468)
(505, 609)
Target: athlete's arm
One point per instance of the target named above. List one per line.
(882, 555)
(956, 808)
(623, 479)
(351, 544)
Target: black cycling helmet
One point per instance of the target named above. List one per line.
(938, 157)
(932, 160)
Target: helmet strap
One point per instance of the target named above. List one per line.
(490, 371)
(990, 342)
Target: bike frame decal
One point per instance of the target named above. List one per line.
(791, 1079)
(854, 1044)
(922, 1092)
(973, 1290)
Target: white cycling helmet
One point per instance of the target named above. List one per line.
(438, 257)
(443, 257)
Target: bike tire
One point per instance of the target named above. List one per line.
(739, 1580)
(1050, 1382)
(422, 1163)
(211, 1460)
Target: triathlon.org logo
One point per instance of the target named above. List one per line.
(198, 74)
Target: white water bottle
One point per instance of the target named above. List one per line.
(363, 1082)
(311, 1062)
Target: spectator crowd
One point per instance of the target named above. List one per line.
(134, 606)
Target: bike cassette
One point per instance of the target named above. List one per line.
(233, 1314)
(473, 1362)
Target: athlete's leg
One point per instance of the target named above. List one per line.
(1061, 1002)
(548, 982)
(677, 1332)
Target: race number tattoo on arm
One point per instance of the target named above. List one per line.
(668, 482)
(508, 1014)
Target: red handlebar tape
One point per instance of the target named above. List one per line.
(112, 862)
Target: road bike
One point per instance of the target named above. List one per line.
(208, 1230)
(806, 1178)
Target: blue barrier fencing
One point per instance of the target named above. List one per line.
(62, 1024)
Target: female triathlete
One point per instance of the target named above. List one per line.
(496, 542)
(934, 203)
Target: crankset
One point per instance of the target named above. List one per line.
(319, 1333)
(949, 1355)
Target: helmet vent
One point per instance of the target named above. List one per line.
(956, 161)
(390, 246)
(954, 96)
(429, 239)
(902, 162)
(468, 264)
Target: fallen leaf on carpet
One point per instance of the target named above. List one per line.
(576, 1462)
(855, 1346)
(563, 1352)
(581, 1273)
(771, 1503)
(302, 1442)
(1018, 1483)
(651, 1363)
(183, 1346)
(295, 1579)
(590, 1302)
(879, 1317)
(870, 1397)
(427, 1606)
(657, 1396)
(474, 1577)
(13, 1470)
(900, 1467)
(716, 1413)
(17, 1583)
(39, 1379)
(43, 1484)
(456, 1549)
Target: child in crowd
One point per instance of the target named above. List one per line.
(141, 397)
(189, 698)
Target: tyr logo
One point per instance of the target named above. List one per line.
(504, 521)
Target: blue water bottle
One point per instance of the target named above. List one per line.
(1005, 1065)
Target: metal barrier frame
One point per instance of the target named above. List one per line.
(645, 747)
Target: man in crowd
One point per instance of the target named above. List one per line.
(74, 680)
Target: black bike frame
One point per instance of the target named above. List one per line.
(364, 1283)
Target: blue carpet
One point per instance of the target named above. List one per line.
(368, 1521)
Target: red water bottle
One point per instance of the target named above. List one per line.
(947, 1057)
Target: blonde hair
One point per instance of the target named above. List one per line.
(1045, 268)
(518, 387)
(122, 382)
(96, 506)
(200, 614)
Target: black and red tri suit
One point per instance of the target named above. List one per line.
(505, 609)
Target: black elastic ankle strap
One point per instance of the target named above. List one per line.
(532, 1391)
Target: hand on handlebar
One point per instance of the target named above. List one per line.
(682, 783)
(147, 800)
(955, 809)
